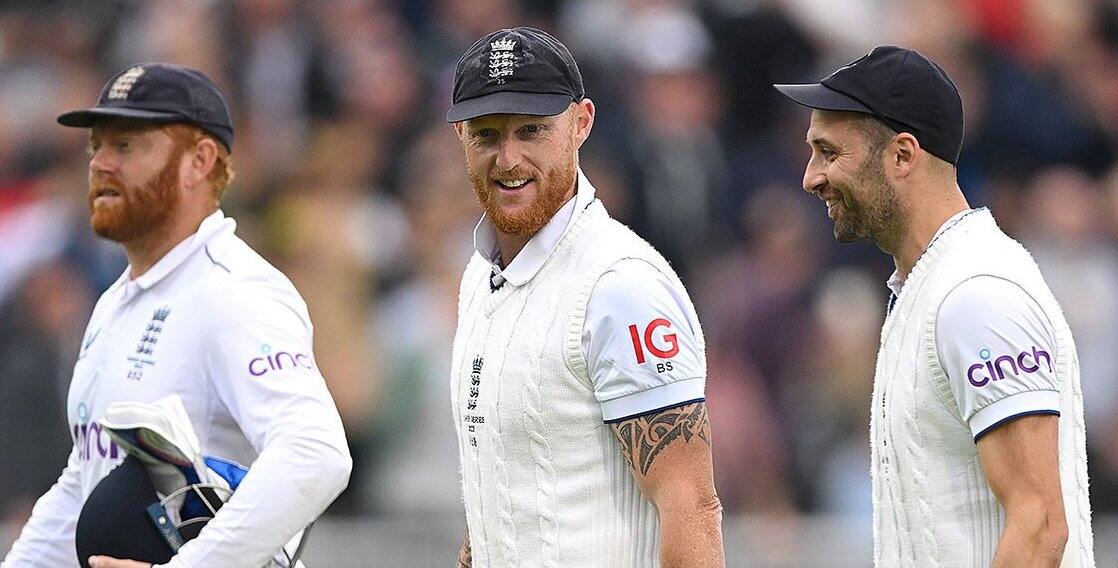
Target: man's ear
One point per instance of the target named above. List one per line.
(200, 161)
(902, 154)
(584, 121)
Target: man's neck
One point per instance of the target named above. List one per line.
(921, 226)
(144, 252)
(509, 246)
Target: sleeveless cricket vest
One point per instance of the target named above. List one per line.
(932, 504)
(544, 481)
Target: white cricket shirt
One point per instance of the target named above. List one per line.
(996, 346)
(974, 338)
(216, 324)
(639, 336)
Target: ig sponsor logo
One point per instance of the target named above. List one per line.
(1027, 362)
(667, 351)
(277, 361)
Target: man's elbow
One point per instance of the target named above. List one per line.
(703, 504)
(1043, 527)
(1054, 536)
(337, 467)
(329, 458)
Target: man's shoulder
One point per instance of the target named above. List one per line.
(989, 250)
(612, 242)
(238, 278)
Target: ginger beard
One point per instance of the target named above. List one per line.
(551, 194)
(140, 209)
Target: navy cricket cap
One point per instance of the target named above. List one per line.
(515, 71)
(902, 88)
(162, 93)
(114, 521)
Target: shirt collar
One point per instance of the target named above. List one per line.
(211, 226)
(529, 261)
(895, 283)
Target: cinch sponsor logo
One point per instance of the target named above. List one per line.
(278, 361)
(91, 440)
(995, 370)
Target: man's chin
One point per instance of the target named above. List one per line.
(112, 228)
(847, 236)
(516, 227)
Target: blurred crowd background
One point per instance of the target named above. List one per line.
(349, 180)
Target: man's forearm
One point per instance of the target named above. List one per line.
(465, 559)
(1036, 542)
(692, 537)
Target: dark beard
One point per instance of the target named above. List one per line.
(141, 209)
(876, 217)
(560, 180)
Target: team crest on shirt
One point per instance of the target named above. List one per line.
(473, 420)
(144, 354)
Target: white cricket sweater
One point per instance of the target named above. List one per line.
(932, 504)
(543, 478)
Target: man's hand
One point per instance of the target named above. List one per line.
(1022, 465)
(110, 562)
(465, 558)
(669, 457)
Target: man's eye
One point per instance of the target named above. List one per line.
(531, 128)
(485, 133)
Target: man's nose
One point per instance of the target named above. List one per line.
(813, 177)
(508, 154)
(99, 163)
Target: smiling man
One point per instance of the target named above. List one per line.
(198, 314)
(578, 370)
(977, 432)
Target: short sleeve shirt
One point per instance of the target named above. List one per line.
(640, 340)
(996, 345)
(640, 334)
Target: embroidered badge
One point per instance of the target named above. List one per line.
(123, 84)
(502, 60)
(145, 351)
(472, 420)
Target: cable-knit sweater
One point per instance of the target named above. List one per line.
(932, 504)
(544, 480)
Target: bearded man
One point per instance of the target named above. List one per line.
(578, 368)
(978, 442)
(197, 314)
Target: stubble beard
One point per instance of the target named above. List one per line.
(141, 209)
(551, 196)
(875, 217)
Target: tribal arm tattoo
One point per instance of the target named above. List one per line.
(465, 557)
(643, 437)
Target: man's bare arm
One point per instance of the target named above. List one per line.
(465, 558)
(669, 455)
(1022, 465)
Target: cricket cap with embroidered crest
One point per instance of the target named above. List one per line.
(902, 88)
(515, 71)
(160, 93)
